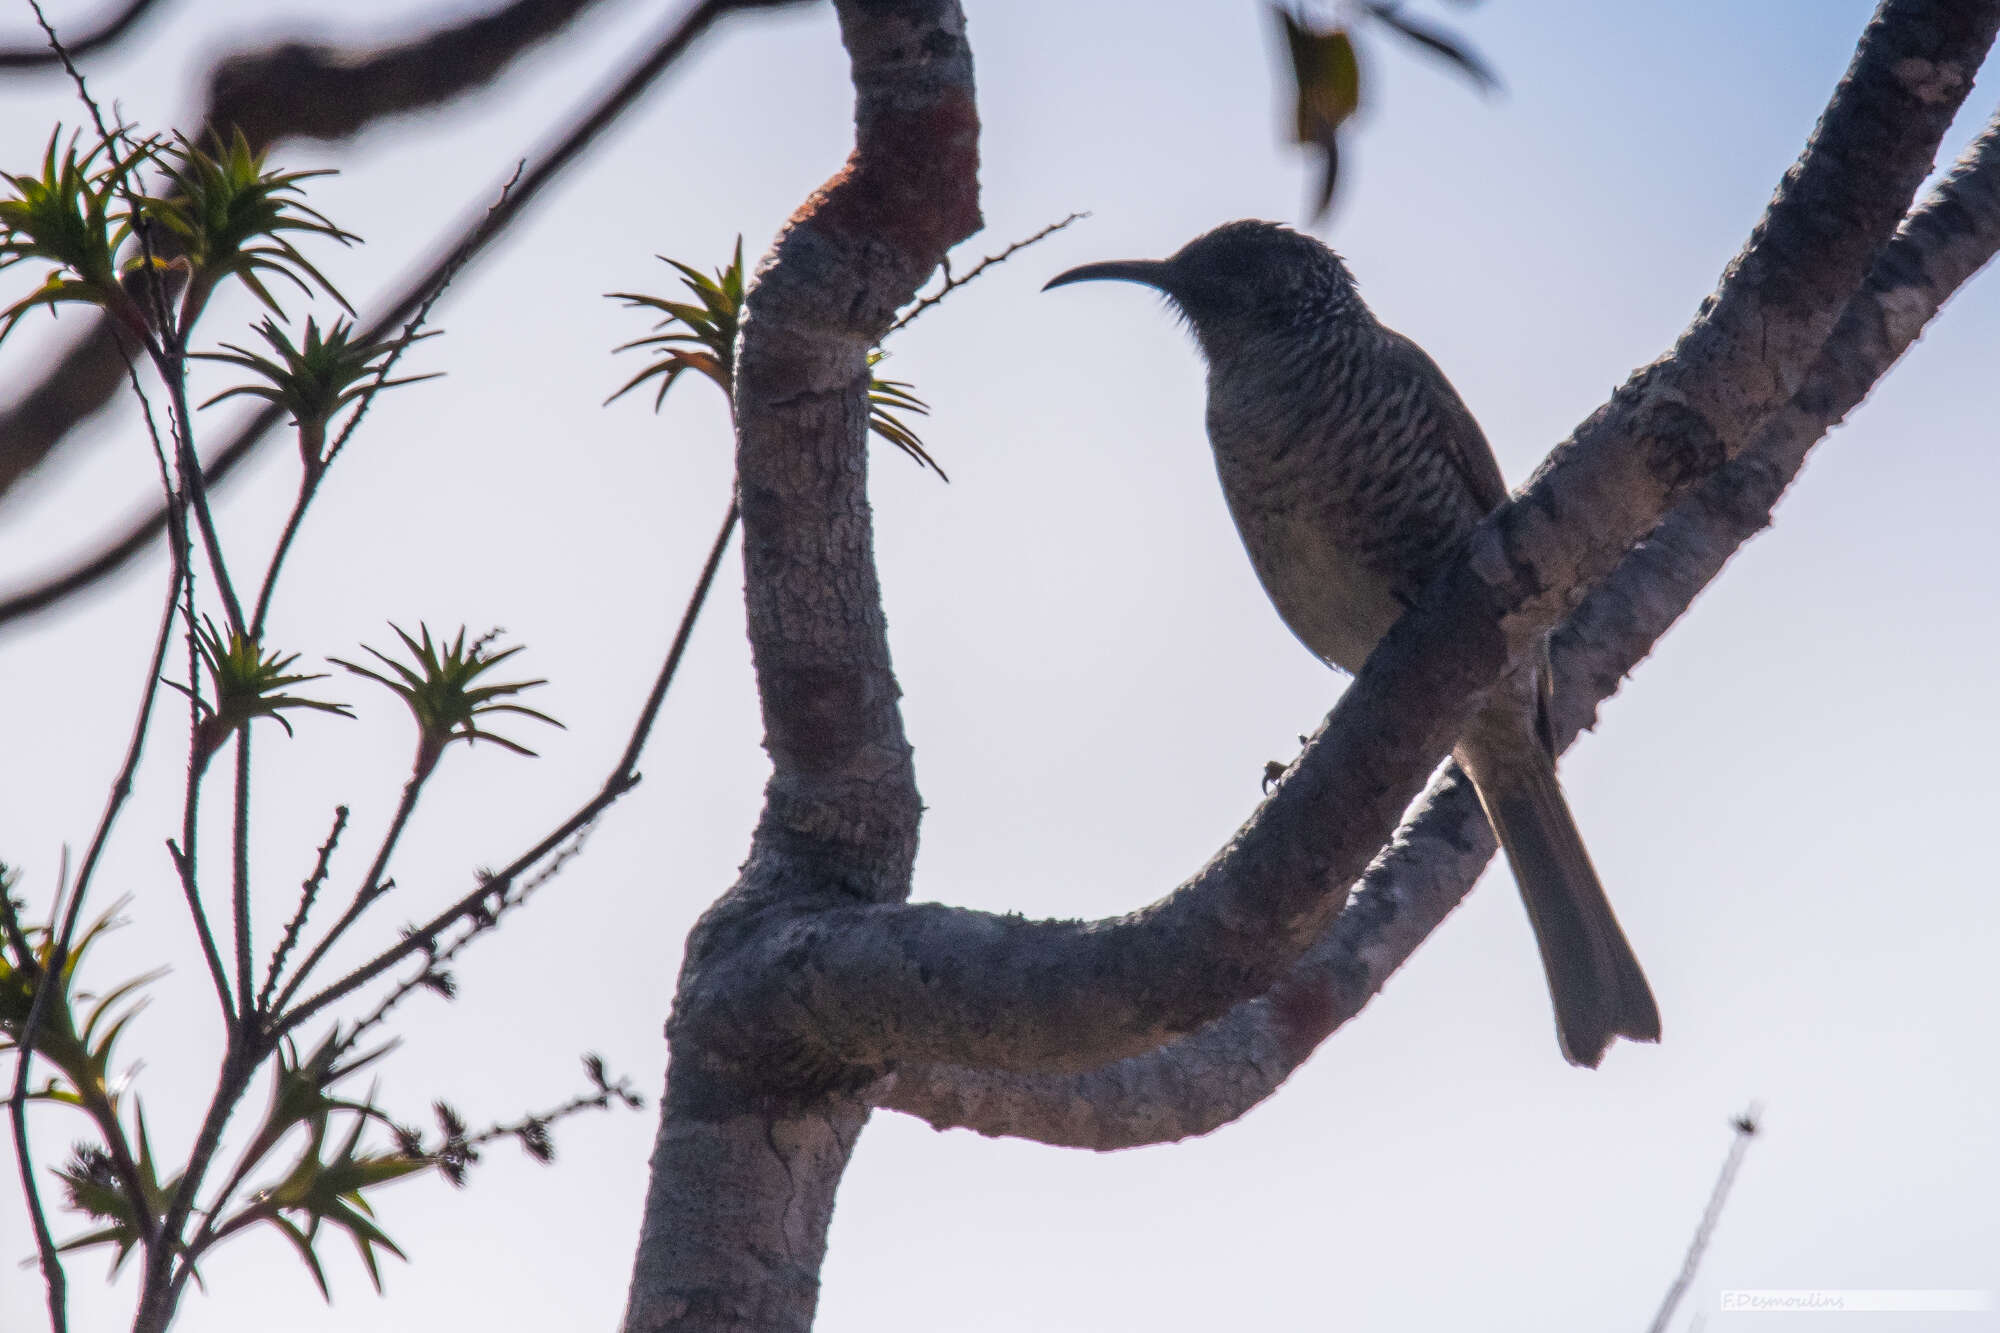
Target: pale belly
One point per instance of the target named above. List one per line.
(1336, 604)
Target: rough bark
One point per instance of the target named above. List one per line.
(812, 987)
(1214, 1075)
(749, 1155)
(842, 980)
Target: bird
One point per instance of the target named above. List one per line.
(1355, 473)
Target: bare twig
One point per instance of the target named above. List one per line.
(240, 876)
(308, 891)
(629, 761)
(309, 482)
(54, 1280)
(952, 284)
(433, 976)
(1746, 1126)
(59, 52)
(454, 262)
(372, 886)
(623, 778)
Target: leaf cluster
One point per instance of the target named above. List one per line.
(89, 215)
(438, 686)
(700, 335)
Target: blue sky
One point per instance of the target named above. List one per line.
(1786, 802)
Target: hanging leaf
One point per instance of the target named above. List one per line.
(1327, 79)
(1436, 41)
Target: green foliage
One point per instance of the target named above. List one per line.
(701, 336)
(322, 1186)
(887, 401)
(77, 1035)
(705, 340)
(441, 695)
(315, 379)
(65, 216)
(245, 682)
(85, 212)
(77, 1031)
(231, 216)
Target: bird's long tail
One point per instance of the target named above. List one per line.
(1594, 979)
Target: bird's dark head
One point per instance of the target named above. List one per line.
(1241, 279)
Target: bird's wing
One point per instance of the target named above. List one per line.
(1470, 453)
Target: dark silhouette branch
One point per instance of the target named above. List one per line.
(849, 981)
(291, 90)
(1746, 1127)
(1217, 1073)
(40, 56)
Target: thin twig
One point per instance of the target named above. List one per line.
(445, 275)
(623, 778)
(372, 886)
(240, 876)
(54, 1280)
(952, 284)
(1746, 1129)
(121, 786)
(308, 487)
(104, 34)
(308, 891)
(431, 977)
(75, 74)
(171, 364)
(629, 761)
(309, 483)
(183, 854)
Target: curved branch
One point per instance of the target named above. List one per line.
(287, 91)
(856, 252)
(874, 986)
(472, 240)
(1214, 1075)
(39, 55)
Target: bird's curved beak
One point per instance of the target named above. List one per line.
(1152, 272)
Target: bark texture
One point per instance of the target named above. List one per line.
(758, 1119)
(862, 983)
(1215, 1074)
(813, 989)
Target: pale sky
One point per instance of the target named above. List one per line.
(1785, 803)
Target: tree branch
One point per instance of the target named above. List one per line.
(1217, 1073)
(859, 986)
(39, 55)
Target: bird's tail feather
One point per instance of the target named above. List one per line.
(1594, 979)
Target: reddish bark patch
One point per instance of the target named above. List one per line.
(912, 182)
(1303, 1013)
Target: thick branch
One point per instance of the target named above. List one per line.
(860, 986)
(291, 90)
(843, 787)
(734, 1229)
(1214, 1075)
